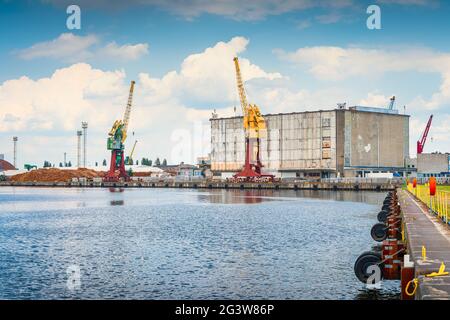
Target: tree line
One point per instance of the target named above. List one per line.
(144, 162)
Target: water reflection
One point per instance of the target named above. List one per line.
(236, 196)
(117, 202)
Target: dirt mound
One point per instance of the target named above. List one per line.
(55, 175)
(5, 166)
(141, 174)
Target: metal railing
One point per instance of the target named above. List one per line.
(363, 180)
(439, 204)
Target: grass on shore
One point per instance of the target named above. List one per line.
(439, 187)
(444, 188)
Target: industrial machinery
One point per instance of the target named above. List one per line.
(115, 143)
(423, 139)
(129, 159)
(29, 167)
(255, 129)
(391, 104)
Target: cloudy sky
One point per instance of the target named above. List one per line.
(296, 55)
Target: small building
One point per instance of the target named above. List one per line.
(189, 171)
(433, 165)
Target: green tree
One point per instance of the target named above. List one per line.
(104, 162)
(157, 162)
(164, 163)
(69, 164)
(60, 165)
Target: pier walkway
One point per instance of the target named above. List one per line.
(423, 229)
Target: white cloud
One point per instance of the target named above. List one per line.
(66, 45)
(208, 76)
(234, 9)
(125, 52)
(73, 48)
(336, 64)
(375, 100)
(60, 102)
(329, 18)
(429, 3)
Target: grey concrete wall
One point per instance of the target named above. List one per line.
(375, 139)
(432, 162)
(316, 141)
(296, 141)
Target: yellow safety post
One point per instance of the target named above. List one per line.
(424, 253)
(441, 272)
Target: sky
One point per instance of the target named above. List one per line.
(295, 55)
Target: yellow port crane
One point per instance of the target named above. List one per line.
(255, 129)
(116, 139)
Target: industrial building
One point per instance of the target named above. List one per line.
(342, 142)
(433, 165)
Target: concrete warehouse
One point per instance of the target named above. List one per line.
(433, 164)
(324, 144)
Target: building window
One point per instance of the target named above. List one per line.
(326, 122)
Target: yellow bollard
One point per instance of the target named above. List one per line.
(440, 273)
(424, 253)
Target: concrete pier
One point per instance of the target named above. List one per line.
(204, 184)
(424, 229)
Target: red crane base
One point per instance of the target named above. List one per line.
(116, 172)
(252, 172)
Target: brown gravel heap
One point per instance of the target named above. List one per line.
(55, 175)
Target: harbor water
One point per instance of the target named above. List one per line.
(74, 243)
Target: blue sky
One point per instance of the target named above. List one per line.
(297, 55)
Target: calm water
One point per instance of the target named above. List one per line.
(185, 244)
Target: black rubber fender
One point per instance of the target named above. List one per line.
(364, 261)
(379, 232)
(383, 216)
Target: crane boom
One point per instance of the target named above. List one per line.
(423, 140)
(126, 116)
(240, 86)
(132, 151)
